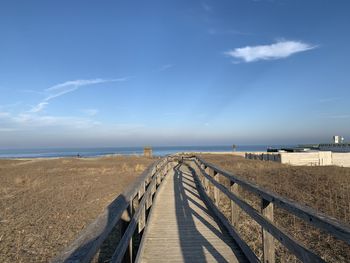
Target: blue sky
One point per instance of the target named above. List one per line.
(133, 73)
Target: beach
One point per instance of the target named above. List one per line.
(326, 189)
(46, 203)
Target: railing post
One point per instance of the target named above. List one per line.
(206, 181)
(128, 257)
(267, 238)
(234, 207)
(142, 190)
(158, 177)
(149, 196)
(141, 223)
(215, 176)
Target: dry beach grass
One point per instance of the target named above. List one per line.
(45, 203)
(326, 189)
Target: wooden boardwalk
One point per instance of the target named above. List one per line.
(182, 229)
(164, 209)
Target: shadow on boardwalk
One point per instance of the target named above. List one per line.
(198, 231)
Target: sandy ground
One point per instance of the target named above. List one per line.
(45, 203)
(324, 188)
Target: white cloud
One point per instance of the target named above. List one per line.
(10, 106)
(38, 107)
(278, 50)
(29, 121)
(4, 114)
(82, 82)
(66, 87)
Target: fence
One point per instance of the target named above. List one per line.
(208, 174)
(127, 212)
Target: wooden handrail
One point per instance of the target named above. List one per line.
(248, 252)
(124, 242)
(319, 220)
(86, 245)
(265, 218)
(131, 207)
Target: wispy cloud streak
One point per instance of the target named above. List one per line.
(278, 50)
(39, 107)
(61, 89)
(82, 82)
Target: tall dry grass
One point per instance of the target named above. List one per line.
(45, 203)
(325, 189)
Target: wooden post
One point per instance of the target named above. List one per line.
(129, 256)
(267, 238)
(215, 175)
(206, 181)
(142, 190)
(158, 178)
(234, 207)
(142, 219)
(202, 176)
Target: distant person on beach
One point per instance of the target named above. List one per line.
(78, 155)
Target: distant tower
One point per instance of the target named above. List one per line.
(338, 139)
(147, 152)
(234, 147)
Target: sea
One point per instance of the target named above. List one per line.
(95, 152)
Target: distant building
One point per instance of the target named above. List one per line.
(338, 145)
(147, 152)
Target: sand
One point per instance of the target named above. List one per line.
(45, 203)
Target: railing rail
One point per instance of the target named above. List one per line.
(129, 207)
(265, 218)
(128, 210)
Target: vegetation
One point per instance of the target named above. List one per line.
(45, 203)
(326, 189)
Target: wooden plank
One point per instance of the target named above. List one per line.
(319, 220)
(151, 215)
(245, 248)
(180, 228)
(294, 246)
(267, 238)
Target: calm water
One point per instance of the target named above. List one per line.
(92, 152)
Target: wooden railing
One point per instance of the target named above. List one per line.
(207, 173)
(128, 211)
